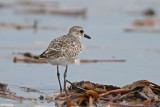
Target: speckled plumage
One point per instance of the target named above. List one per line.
(66, 47)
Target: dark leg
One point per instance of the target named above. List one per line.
(65, 74)
(58, 74)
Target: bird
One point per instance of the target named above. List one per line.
(64, 50)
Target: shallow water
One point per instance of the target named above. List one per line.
(105, 23)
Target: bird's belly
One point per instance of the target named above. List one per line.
(59, 61)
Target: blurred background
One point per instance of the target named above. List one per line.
(120, 29)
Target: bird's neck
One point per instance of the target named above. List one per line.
(77, 37)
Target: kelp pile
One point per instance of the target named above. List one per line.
(7, 93)
(85, 93)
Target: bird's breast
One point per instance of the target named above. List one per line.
(60, 61)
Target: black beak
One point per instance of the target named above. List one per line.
(86, 36)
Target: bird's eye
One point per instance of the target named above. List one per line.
(81, 31)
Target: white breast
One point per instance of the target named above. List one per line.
(60, 61)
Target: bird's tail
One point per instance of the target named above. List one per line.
(42, 56)
(39, 57)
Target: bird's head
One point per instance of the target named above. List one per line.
(78, 32)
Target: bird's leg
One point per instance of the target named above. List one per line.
(65, 74)
(58, 74)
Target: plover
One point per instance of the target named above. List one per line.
(65, 49)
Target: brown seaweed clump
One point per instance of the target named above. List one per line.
(8, 94)
(85, 93)
(3, 87)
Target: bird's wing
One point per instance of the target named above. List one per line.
(50, 54)
(53, 50)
